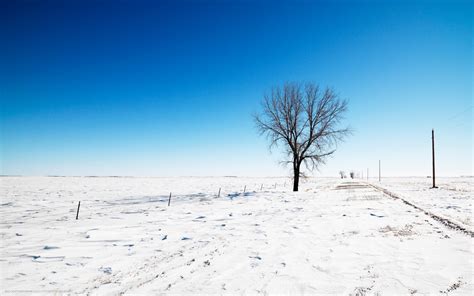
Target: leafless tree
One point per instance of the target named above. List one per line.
(305, 121)
(352, 175)
(342, 174)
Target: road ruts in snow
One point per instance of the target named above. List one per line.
(451, 201)
(333, 237)
(443, 220)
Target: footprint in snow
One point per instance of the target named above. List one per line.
(33, 257)
(50, 248)
(106, 270)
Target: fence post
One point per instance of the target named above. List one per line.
(77, 213)
(219, 193)
(169, 200)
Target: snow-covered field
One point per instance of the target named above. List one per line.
(333, 237)
(452, 199)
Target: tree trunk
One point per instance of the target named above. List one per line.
(296, 178)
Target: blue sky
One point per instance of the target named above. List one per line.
(168, 89)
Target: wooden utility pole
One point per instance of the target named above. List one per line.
(433, 157)
(367, 174)
(379, 170)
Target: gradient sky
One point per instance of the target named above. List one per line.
(168, 89)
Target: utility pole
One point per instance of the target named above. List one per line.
(367, 174)
(379, 170)
(433, 157)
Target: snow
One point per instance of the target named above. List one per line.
(333, 237)
(452, 199)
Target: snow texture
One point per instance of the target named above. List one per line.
(333, 237)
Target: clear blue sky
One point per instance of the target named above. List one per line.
(166, 89)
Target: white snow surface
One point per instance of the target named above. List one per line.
(333, 237)
(452, 199)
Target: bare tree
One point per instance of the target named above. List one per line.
(342, 174)
(305, 121)
(352, 175)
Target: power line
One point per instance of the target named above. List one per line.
(460, 113)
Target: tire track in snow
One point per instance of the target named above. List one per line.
(445, 221)
(155, 268)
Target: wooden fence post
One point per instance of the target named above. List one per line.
(77, 213)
